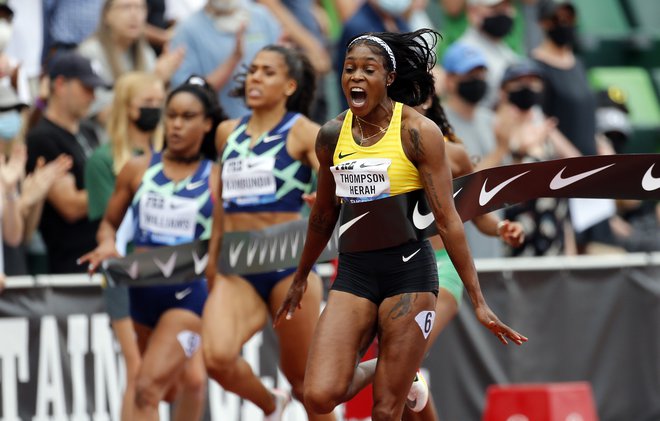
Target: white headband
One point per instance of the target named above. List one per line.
(380, 42)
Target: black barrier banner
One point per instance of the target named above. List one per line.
(276, 247)
(372, 225)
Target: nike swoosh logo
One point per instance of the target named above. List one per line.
(180, 295)
(344, 156)
(650, 183)
(558, 182)
(421, 221)
(133, 270)
(405, 259)
(234, 252)
(457, 191)
(196, 184)
(343, 227)
(371, 165)
(486, 196)
(200, 263)
(168, 267)
(272, 138)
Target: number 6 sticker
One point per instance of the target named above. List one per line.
(425, 321)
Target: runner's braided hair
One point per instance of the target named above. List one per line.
(414, 53)
(436, 113)
(300, 69)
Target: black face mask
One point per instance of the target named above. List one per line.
(562, 35)
(525, 98)
(472, 90)
(148, 119)
(497, 26)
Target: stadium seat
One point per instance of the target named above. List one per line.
(606, 38)
(642, 102)
(540, 402)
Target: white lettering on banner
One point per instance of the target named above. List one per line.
(106, 382)
(78, 346)
(362, 178)
(13, 352)
(249, 179)
(50, 384)
(168, 215)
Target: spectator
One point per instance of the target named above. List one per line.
(66, 230)
(11, 73)
(11, 226)
(533, 137)
(118, 46)
(219, 38)
(465, 86)
(567, 93)
(66, 23)
(489, 22)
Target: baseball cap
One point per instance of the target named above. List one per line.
(612, 112)
(547, 9)
(72, 65)
(4, 7)
(460, 58)
(520, 69)
(484, 2)
(9, 100)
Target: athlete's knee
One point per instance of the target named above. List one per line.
(219, 360)
(195, 382)
(323, 400)
(148, 392)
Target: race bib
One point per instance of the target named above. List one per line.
(362, 179)
(169, 216)
(249, 180)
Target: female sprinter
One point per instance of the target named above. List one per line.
(381, 292)
(278, 89)
(170, 190)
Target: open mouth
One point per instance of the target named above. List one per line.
(358, 97)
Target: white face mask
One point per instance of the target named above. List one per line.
(394, 7)
(5, 33)
(225, 6)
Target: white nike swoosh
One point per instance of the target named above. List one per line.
(200, 263)
(405, 259)
(180, 295)
(650, 183)
(421, 221)
(234, 252)
(133, 270)
(457, 191)
(168, 267)
(487, 196)
(272, 138)
(347, 225)
(193, 186)
(558, 182)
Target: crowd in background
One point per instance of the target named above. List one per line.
(512, 87)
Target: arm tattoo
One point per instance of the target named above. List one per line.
(321, 223)
(433, 194)
(403, 307)
(416, 141)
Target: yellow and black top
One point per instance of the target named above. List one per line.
(364, 173)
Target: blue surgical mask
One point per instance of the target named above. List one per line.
(10, 125)
(394, 7)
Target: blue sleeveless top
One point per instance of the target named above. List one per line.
(265, 178)
(168, 213)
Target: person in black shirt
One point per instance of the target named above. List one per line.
(64, 225)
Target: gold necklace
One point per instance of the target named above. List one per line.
(362, 138)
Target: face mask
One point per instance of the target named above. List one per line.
(225, 6)
(497, 26)
(562, 35)
(148, 119)
(394, 7)
(525, 98)
(472, 90)
(10, 125)
(5, 33)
